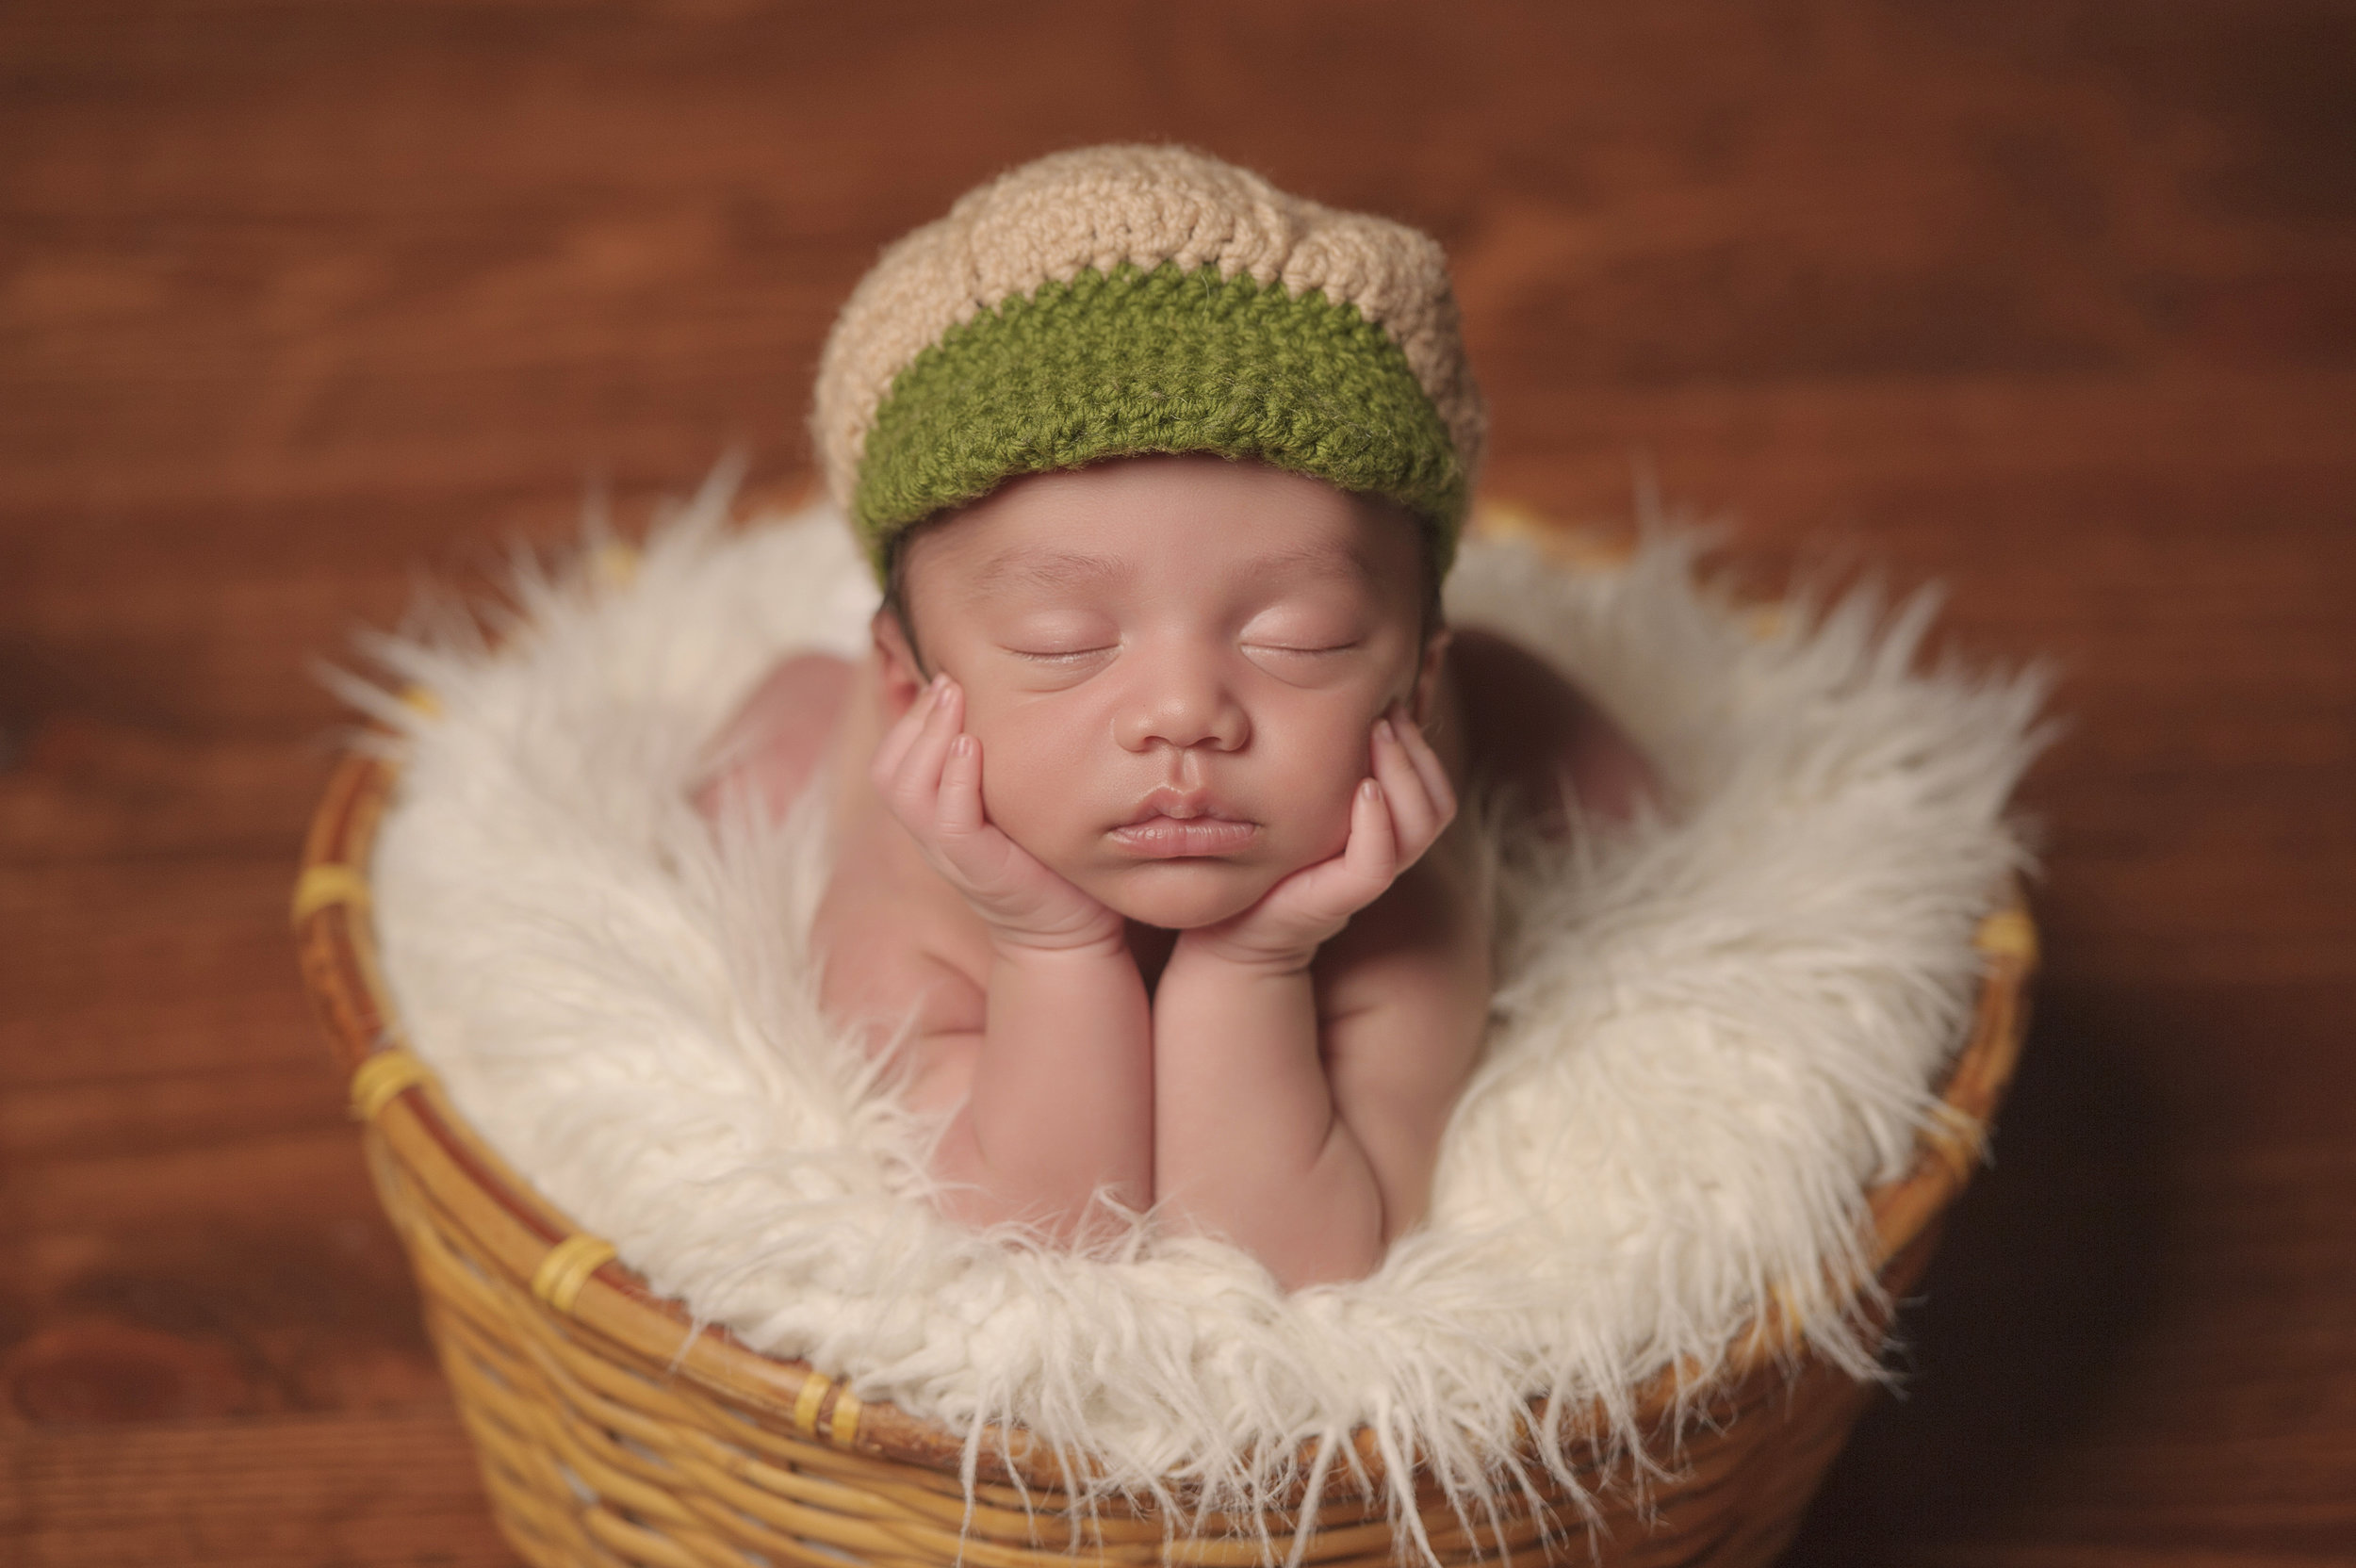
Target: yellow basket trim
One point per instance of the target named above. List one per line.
(322, 886)
(806, 1403)
(558, 1279)
(1580, 549)
(2007, 934)
(1504, 519)
(842, 1426)
(1958, 1140)
(381, 1078)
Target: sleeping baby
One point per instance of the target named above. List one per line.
(1147, 852)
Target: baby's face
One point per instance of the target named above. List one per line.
(1172, 664)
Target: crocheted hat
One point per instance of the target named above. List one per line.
(1116, 301)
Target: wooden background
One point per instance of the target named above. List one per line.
(2053, 303)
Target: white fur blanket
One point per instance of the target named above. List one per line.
(1712, 1035)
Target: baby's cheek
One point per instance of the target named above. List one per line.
(1030, 786)
(1322, 790)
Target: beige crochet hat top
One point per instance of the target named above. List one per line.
(1116, 301)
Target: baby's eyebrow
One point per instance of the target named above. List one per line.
(1042, 569)
(1314, 560)
(1068, 569)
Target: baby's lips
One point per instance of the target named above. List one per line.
(1168, 837)
(1182, 805)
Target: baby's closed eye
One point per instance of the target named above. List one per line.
(1301, 653)
(1055, 653)
(1313, 622)
(1046, 667)
(1059, 644)
(1300, 647)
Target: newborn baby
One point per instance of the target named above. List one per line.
(1145, 802)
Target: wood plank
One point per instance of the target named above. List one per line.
(374, 1487)
(2053, 304)
(122, 966)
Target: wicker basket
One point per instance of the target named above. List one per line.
(609, 1433)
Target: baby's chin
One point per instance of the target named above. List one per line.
(1182, 895)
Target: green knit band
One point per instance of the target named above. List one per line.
(1127, 362)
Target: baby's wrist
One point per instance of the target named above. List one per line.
(1207, 945)
(1095, 940)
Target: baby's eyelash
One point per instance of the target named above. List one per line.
(1059, 656)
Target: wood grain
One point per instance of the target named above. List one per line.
(2052, 304)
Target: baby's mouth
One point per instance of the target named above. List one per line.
(1173, 825)
(1161, 838)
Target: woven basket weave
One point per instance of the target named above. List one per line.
(610, 1433)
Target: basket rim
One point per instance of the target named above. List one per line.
(470, 1185)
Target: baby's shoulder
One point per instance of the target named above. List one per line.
(894, 956)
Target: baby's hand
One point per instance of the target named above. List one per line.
(929, 773)
(1395, 815)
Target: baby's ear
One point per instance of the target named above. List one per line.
(895, 660)
(1428, 676)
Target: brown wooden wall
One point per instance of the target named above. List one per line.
(2053, 303)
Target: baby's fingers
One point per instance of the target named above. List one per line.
(959, 813)
(978, 856)
(1371, 857)
(1428, 766)
(885, 766)
(1317, 901)
(907, 775)
(1417, 811)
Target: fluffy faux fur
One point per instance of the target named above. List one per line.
(1713, 1033)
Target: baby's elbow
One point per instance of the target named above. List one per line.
(1333, 1260)
(1338, 1232)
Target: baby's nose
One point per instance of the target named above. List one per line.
(1183, 703)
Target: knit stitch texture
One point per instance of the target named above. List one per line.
(1032, 236)
(1166, 361)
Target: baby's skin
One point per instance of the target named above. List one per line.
(1148, 849)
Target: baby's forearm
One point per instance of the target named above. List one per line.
(1061, 1104)
(1249, 1143)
